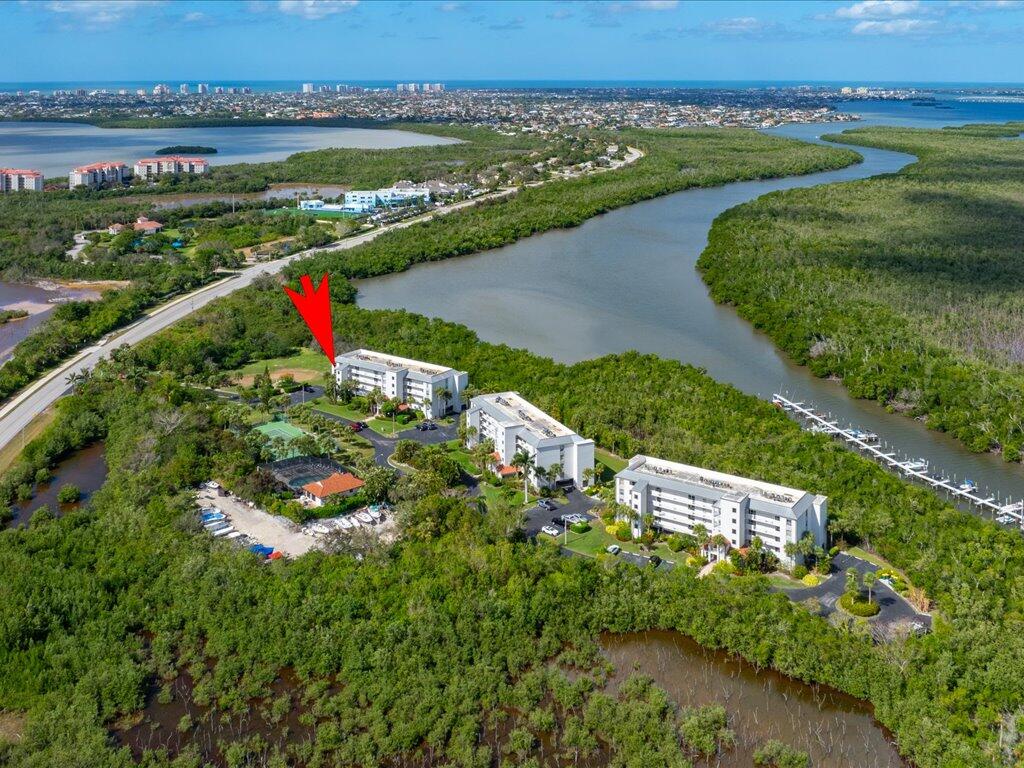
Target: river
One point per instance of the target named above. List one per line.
(835, 729)
(628, 280)
(56, 148)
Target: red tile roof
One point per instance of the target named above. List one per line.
(20, 172)
(142, 224)
(339, 482)
(96, 167)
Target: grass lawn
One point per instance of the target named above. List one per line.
(784, 582)
(380, 425)
(597, 539)
(304, 366)
(457, 452)
(10, 452)
(492, 494)
(607, 464)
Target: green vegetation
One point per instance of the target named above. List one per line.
(456, 614)
(906, 286)
(6, 315)
(186, 149)
(775, 754)
(69, 494)
(675, 160)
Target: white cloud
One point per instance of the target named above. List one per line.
(656, 5)
(96, 14)
(895, 27)
(879, 9)
(450, 7)
(741, 25)
(315, 9)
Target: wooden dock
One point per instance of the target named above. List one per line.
(1004, 510)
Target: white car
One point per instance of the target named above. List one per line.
(613, 549)
(550, 530)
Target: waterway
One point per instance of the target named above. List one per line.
(55, 148)
(835, 729)
(35, 300)
(86, 469)
(627, 280)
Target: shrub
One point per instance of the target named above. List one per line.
(6, 513)
(725, 567)
(858, 606)
(775, 754)
(24, 492)
(675, 542)
(799, 571)
(580, 527)
(811, 580)
(623, 531)
(611, 530)
(69, 494)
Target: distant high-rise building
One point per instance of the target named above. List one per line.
(97, 174)
(161, 90)
(307, 87)
(203, 88)
(219, 89)
(122, 92)
(20, 180)
(325, 89)
(140, 91)
(149, 167)
(183, 88)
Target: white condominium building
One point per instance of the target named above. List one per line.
(154, 166)
(97, 174)
(514, 424)
(434, 389)
(403, 193)
(19, 180)
(678, 497)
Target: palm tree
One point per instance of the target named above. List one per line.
(720, 543)
(852, 581)
(869, 581)
(701, 534)
(588, 475)
(525, 463)
(445, 394)
(554, 473)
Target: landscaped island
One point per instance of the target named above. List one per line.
(186, 149)
(909, 287)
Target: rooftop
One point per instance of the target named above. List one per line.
(20, 172)
(719, 481)
(520, 411)
(175, 158)
(339, 482)
(394, 362)
(96, 166)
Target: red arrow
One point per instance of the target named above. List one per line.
(315, 308)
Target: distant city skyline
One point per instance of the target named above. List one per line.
(338, 41)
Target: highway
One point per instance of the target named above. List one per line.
(25, 406)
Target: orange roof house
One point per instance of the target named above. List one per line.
(148, 226)
(339, 482)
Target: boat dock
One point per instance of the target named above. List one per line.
(1003, 510)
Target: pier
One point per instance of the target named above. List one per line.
(1005, 511)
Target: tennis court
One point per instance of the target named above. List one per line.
(281, 429)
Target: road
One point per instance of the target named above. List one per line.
(20, 411)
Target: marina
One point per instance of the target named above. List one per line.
(1004, 510)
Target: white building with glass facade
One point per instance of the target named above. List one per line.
(434, 389)
(513, 424)
(678, 497)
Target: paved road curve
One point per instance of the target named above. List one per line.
(19, 412)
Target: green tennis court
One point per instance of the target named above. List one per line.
(281, 429)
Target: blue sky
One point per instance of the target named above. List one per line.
(345, 40)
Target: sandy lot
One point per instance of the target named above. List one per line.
(277, 532)
(12, 727)
(299, 374)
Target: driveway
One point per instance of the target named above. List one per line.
(384, 446)
(576, 503)
(894, 609)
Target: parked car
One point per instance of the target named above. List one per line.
(547, 504)
(357, 426)
(425, 426)
(655, 561)
(613, 549)
(577, 518)
(550, 530)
